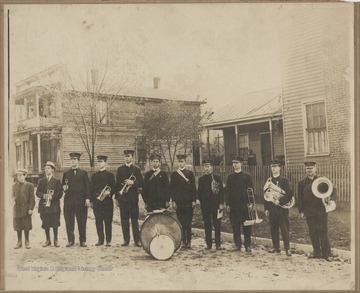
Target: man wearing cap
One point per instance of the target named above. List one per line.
(236, 198)
(76, 185)
(128, 180)
(279, 216)
(49, 191)
(103, 182)
(155, 191)
(211, 196)
(24, 203)
(314, 210)
(183, 195)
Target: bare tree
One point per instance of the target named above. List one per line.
(171, 127)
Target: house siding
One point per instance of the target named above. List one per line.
(315, 49)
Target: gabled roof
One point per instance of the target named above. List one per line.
(251, 106)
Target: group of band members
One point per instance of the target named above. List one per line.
(157, 192)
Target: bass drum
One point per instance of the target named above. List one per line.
(160, 235)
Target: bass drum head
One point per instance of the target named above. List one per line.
(157, 225)
(162, 247)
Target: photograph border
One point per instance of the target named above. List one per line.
(5, 94)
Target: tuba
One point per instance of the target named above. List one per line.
(273, 192)
(102, 195)
(253, 215)
(322, 188)
(215, 186)
(126, 186)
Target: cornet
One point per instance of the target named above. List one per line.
(215, 186)
(126, 186)
(48, 197)
(102, 195)
(67, 187)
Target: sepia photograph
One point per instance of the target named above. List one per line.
(179, 146)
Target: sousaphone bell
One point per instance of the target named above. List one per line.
(322, 188)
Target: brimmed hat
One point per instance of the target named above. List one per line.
(207, 161)
(75, 155)
(237, 159)
(155, 157)
(309, 163)
(51, 164)
(276, 162)
(129, 152)
(102, 157)
(21, 171)
(181, 157)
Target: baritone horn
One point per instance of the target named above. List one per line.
(273, 192)
(102, 195)
(253, 215)
(322, 188)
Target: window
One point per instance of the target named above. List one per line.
(19, 110)
(31, 108)
(102, 112)
(243, 145)
(316, 131)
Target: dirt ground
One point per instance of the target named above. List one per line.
(131, 268)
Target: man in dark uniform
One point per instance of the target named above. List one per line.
(103, 206)
(314, 210)
(155, 191)
(211, 196)
(236, 198)
(279, 216)
(76, 185)
(183, 195)
(128, 180)
(50, 192)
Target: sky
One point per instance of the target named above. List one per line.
(218, 52)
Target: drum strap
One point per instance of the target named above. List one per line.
(154, 174)
(182, 175)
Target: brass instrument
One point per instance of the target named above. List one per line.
(102, 195)
(253, 215)
(126, 186)
(67, 187)
(273, 192)
(322, 188)
(48, 197)
(215, 186)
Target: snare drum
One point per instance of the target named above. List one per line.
(160, 235)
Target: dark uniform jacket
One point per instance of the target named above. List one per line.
(24, 198)
(123, 173)
(98, 181)
(308, 203)
(79, 187)
(183, 192)
(284, 184)
(155, 191)
(42, 188)
(236, 192)
(210, 201)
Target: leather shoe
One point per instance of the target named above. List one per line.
(288, 252)
(83, 244)
(56, 244)
(218, 248)
(188, 246)
(247, 249)
(18, 245)
(27, 244)
(47, 243)
(99, 243)
(125, 243)
(208, 247)
(273, 250)
(237, 248)
(70, 244)
(313, 256)
(138, 244)
(329, 259)
(108, 244)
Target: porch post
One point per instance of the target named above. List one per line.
(39, 151)
(271, 139)
(37, 105)
(237, 139)
(208, 142)
(224, 154)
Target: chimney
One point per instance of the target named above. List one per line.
(156, 82)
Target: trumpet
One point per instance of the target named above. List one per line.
(253, 215)
(322, 188)
(126, 186)
(272, 193)
(102, 195)
(48, 197)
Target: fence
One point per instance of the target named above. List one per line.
(339, 175)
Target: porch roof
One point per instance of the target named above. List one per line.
(252, 107)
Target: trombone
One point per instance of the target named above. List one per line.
(126, 186)
(253, 215)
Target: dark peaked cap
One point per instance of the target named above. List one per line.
(129, 152)
(75, 155)
(181, 157)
